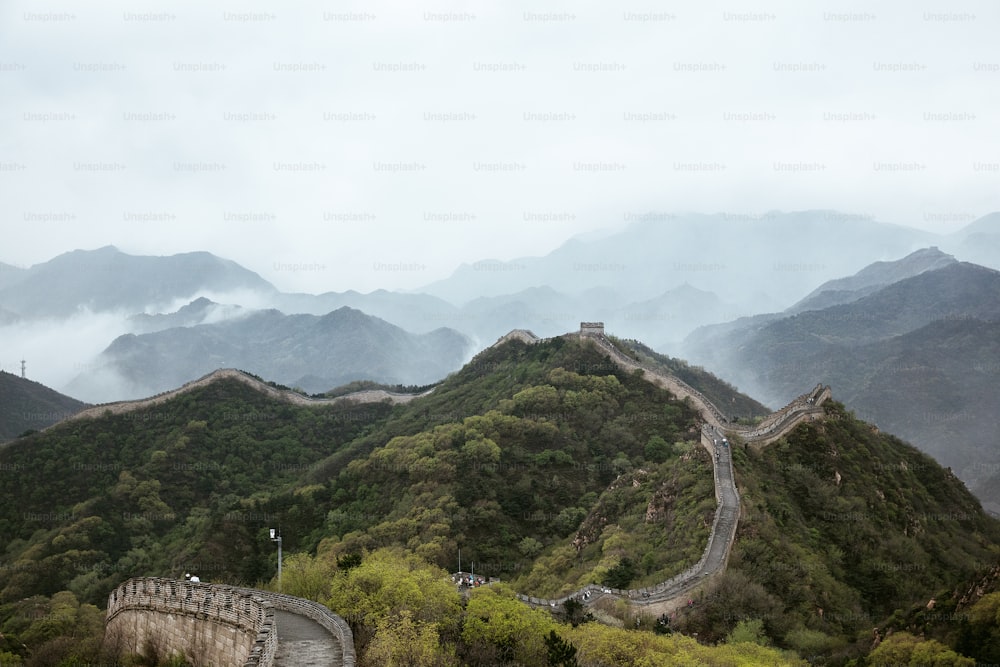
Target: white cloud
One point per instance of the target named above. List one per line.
(356, 135)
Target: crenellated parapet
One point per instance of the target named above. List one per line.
(204, 623)
(523, 335)
(284, 395)
(210, 624)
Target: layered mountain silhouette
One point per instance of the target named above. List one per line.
(743, 259)
(314, 353)
(978, 241)
(657, 280)
(200, 311)
(913, 346)
(107, 279)
(871, 279)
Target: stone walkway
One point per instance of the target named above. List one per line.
(302, 641)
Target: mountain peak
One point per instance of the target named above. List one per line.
(873, 277)
(107, 279)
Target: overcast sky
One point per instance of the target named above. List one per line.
(357, 145)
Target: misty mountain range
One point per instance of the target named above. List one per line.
(107, 279)
(656, 280)
(904, 331)
(912, 345)
(313, 353)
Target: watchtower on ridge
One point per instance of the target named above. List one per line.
(591, 328)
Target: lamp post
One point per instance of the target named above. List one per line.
(277, 538)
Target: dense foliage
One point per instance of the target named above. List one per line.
(556, 454)
(548, 466)
(722, 394)
(841, 526)
(30, 406)
(171, 489)
(366, 385)
(404, 611)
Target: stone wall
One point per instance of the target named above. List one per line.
(337, 626)
(523, 335)
(123, 407)
(206, 623)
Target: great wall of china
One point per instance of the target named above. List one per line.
(286, 395)
(213, 624)
(141, 608)
(717, 428)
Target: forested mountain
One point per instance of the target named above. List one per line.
(547, 464)
(26, 405)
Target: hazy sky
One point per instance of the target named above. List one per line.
(356, 145)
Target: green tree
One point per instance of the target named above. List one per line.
(575, 613)
(513, 632)
(389, 582)
(750, 631)
(348, 561)
(621, 575)
(530, 547)
(8, 659)
(560, 652)
(401, 641)
(657, 449)
(902, 648)
(306, 576)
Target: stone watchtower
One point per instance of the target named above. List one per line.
(591, 328)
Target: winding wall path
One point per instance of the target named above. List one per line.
(716, 429)
(285, 395)
(714, 437)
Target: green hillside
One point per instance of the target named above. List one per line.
(841, 525)
(173, 488)
(546, 464)
(26, 405)
(722, 394)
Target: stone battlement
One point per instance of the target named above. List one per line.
(210, 624)
(591, 328)
(205, 623)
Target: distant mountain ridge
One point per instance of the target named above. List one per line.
(107, 279)
(10, 274)
(655, 280)
(651, 255)
(315, 353)
(872, 278)
(919, 356)
(200, 311)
